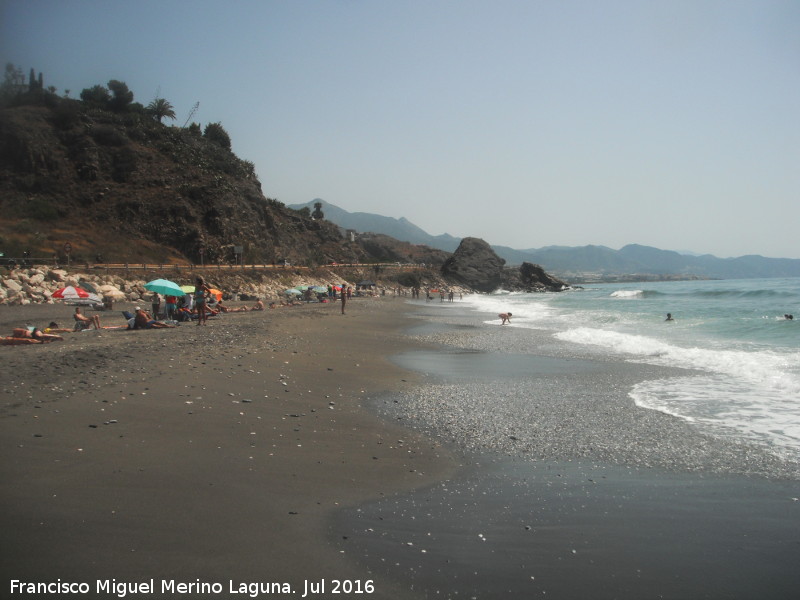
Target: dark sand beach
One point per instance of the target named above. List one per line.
(216, 453)
(285, 446)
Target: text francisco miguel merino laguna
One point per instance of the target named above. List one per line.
(121, 589)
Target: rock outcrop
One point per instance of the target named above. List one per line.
(475, 265)
(533, 278)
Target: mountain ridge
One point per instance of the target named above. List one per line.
(577, 262)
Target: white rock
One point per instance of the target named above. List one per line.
(10, 284)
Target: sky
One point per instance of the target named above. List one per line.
(526, 123)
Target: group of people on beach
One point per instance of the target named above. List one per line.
(197, 307)
(30, 334)
(200, 305)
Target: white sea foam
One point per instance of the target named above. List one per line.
(756, 394)
(764, 367)
(725, 407)
(626, 294)
(525, 312)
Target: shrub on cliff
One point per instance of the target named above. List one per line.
(214, 132)
(122, 97)
(96, 96)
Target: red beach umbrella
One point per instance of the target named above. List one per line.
(71, 293)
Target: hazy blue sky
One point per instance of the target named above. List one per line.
(673, 124)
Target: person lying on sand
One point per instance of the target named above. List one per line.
(259, 305)
(222, 308)
(505, 318)
(83, 322)
(35, 334)
(142, 320)
(54, 328)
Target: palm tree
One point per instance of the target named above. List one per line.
(161, 108)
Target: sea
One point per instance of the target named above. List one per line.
(734, 336)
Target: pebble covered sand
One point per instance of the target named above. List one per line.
(522, 393)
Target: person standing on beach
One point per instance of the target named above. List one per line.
(505, 318)
(344, 295)
(201, 291)
(171, 305)
(156, 304)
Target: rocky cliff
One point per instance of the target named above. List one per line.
(124, 186)
(476, 265)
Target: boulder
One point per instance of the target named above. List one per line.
(475, 265)
(11, 284)
(58, 275)
(110, 291)
(533, 278)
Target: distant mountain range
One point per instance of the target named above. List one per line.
(577, 262)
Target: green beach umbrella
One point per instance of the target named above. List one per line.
(164, 286)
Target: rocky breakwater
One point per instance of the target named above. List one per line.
(476, 266)
(36, 285)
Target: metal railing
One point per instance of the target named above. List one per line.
(33, 262)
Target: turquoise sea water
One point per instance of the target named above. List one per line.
(733, 333)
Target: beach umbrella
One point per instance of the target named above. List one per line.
(321, 289)
(76, 295)
(293, 292)
(71, 293)
(216, 293)
(187, 289)
(87, 286)
(164, 286)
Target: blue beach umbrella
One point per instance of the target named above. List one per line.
(165, 287)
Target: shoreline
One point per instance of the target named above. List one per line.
(217, 452)
(567, 487)
(522, 392)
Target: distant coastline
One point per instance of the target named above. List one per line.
(586, 278)
(590, 263)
